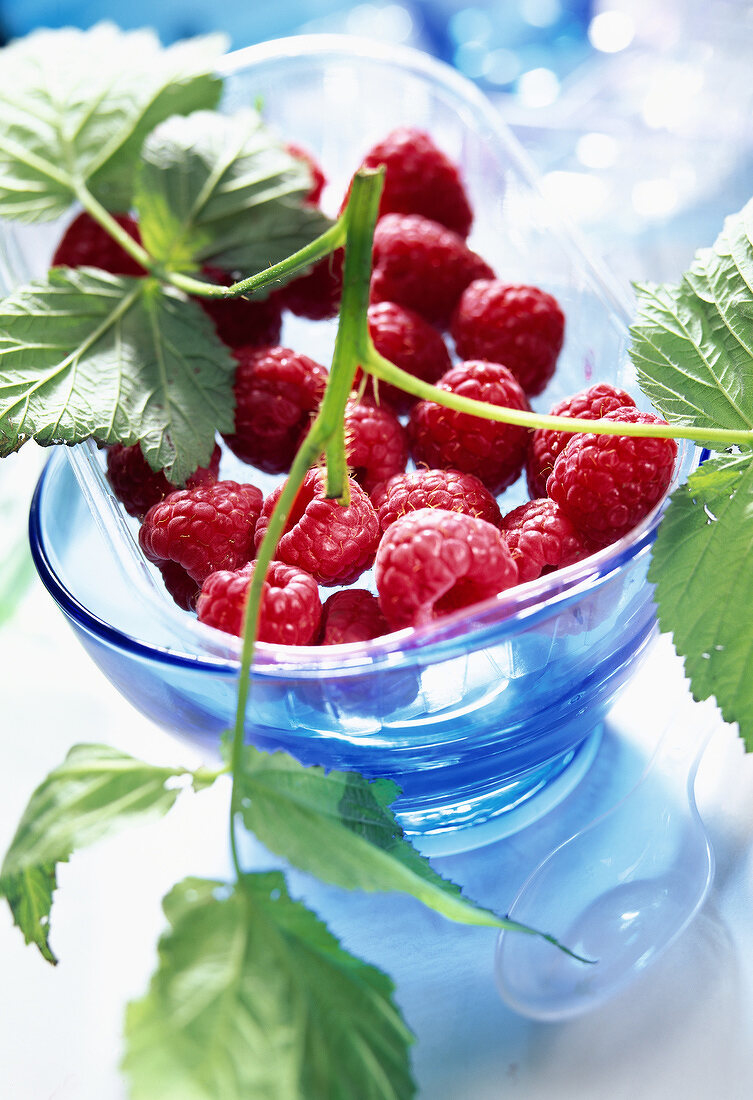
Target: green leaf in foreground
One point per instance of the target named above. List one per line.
(693, 343)
(73, 113)
(84, 354)
(338, 826)
(94, 791)
(253, 997)
(703, 570)
(223, 188)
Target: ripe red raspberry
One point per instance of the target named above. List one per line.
(316, 295)
(520, 326)
(183, 589)
(86, 244)
(423, 266)
(606, 484)
(450, 490)
(333, 543)
(541, 538)
(318, 178)
(432, 562)
(240, 322)
(546, 444)
(409, 342)
(203, 529)
(352, 615)
(290, 607)
(420, 179)
(137, 486)
(276, 393)
(376, 443)
(493, 451)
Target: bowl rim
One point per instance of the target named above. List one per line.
(508, 609)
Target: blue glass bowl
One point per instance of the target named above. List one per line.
(486, 718)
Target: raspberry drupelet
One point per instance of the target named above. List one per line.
(277, 392)
(376, 443)
(203, 529)
(546, 443)
(316, 294)
(493, 451)
(138, 486)
(606, 484)
(289, 611)
(351, 615)
(433, 562)
(411, 343)
(541, 538)
(423, 266)
(520, 326)
(420, 179)
(240, 322)
(86, 244)
(334, 543)
(448, 489)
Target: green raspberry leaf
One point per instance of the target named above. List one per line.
(94, 791)
(703, 570)
(29, 895)
(72, 112)
(338, 826)
(219, 188)
(84, 354)
(254, 997)
(693, 343)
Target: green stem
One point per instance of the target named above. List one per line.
(353, 327)
(332, 239)
(136, 251)
(382, 369)
(326, 435)
(307, 455)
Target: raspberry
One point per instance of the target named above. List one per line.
(86, 243)
(138, 486)
(432, 562)
(541, 538)
(606, 484)
(203, 529)
(318, 178)
(333, 543)
(423, 266)
(450, 490)
(546, 444)
(409, 342)
(316, 295)
(420, 179)
(276, 393)
(376, 443)
(520, 326)
(183, 589)
(239, 322)
(493, 451)
(352, 615)
(290, 607)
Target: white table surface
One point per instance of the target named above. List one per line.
(682, 1032)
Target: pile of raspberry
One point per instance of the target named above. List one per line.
(434, 533)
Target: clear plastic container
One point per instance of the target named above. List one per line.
(487, 717)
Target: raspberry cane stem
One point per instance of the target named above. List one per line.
(136, 251)
(381, 368)
(327, 434)
(329, 241)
